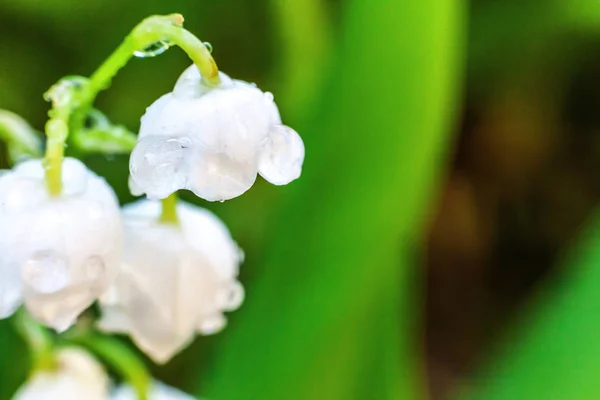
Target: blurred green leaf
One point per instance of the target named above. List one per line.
(554, 351)
(528, 33)
(21, 139)
(306, 35)
(116, 354)
(14, 360)
(338, 273)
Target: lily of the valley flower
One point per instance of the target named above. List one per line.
(176, 279)
(76, 376)
(158, 391)
(57, 254)
(213, 141)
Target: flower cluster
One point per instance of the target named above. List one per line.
(159, 282)
(161, 270)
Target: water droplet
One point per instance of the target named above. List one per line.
(269, 96)
(241, 255)
(221, 201)
(63, 91)
(231, 297)
(208, 46)
(153, 50)
(159, 165)
(46, 271)
(212, 325)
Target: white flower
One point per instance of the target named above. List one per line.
(57, 254)
(77, 376)
(158, 391)
(175, 280)
(213, 141)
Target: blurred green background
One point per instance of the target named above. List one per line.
(453, 156)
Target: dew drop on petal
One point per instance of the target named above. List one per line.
(231, 297)
(155, 49)
(282, 155)
(208, 46)
(241, 255)
(158, 165)
(46, 272)
(212, 324)
(216, 176)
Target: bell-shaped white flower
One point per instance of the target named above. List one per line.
(175, 280)
(158, 391)
(213, 141)
(77, 376)
(57, 254)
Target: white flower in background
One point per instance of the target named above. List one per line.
(175, 280)
(57, 254)
(77, 376)
(213, 141)
(158, 391)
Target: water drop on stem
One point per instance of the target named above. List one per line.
(153, 50)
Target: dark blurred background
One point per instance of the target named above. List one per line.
(517, 183)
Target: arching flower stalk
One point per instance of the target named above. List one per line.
(176, 279)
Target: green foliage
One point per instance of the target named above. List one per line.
(554, 351)
(332, 277)
(337, 273)
(118, 356)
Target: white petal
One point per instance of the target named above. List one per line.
(134, 189)
(217, 177)
(114, 317)
(209, 236)
(10, 277)
(158, 391)
(226, 126)
(281, 158)
(190, 84)
(172, 278)
(65, 249)
(78, 377)
(158, 165)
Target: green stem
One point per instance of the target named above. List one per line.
(21, 139)
(169, 210)
(56, 131)
(71, 116)
(152, 30)
(118, 356)
(38, 339)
